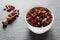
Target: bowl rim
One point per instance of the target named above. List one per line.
(40, 27)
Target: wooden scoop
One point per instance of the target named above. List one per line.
(10, 17)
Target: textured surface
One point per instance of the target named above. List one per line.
(18, 29)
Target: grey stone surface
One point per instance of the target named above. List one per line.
(18, 29)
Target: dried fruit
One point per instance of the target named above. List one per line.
(30, 17)
(43, 11)
(33, 21)
(36, 10)
(39, 17)
(33, 15)
(46, 14)
(39, 11)
(9, 8)
(27, 19)
(44, 20)
(38, 23)
(47, 22)
(48, 17)
(14, 13)
(4, 9)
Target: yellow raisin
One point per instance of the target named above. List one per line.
(39, 23)
(39, 11)
(48, 17)
(36, 9)
(37, 17)
(43, 11)
(27, 19)
(44, 20)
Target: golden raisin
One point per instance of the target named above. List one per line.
(44, 20)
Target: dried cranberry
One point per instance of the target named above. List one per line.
(14, 13)
(30, 18)
(33, 15)
(11, 7)
(33, 21)
(8, 10)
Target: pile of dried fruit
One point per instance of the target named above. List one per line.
(39, 17)
(9, 8)
(12, 13)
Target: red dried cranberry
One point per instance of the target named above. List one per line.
(14, 13)
(30, 18)
(8, 10)
(33, 21)
(11, 8)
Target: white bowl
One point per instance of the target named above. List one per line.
(38, 30)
